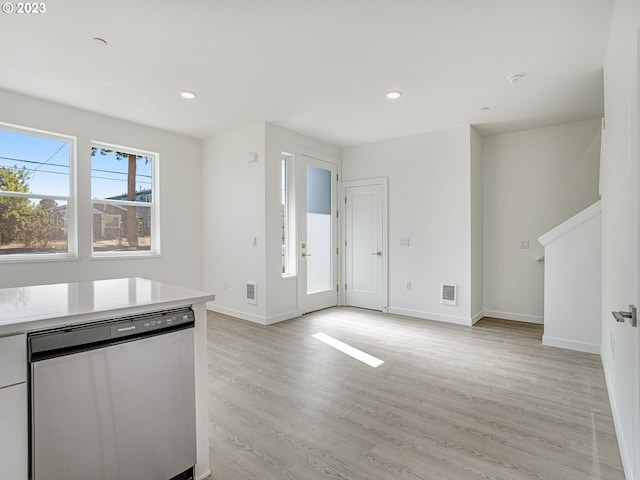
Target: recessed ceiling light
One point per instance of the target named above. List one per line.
(394, 95)
(188, 95)
(516, 77)
(99, 41)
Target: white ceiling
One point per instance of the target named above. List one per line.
(319, 67)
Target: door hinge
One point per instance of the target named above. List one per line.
(337, 250)
(337, 213)
(345, 287)
(345, 200)
(337, 177)
(337, 288)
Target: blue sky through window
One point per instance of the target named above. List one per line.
(109, 174)
(47, 162)
(45, 159)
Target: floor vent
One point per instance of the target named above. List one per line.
(252, 293)
(448, 294)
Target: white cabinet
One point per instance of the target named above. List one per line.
(13, 432)
(13, 360)
(13, 407)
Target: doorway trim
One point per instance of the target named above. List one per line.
(383, 182)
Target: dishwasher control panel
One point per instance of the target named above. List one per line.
(71, 339)
(157, 322)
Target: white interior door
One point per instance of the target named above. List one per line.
(317, 287)
(365, 244)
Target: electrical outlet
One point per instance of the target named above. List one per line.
(524, 244)
(407, 286)
(226, 285)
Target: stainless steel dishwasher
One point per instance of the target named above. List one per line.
(114, 400)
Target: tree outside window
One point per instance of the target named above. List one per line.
(35, 184)
(123, 190)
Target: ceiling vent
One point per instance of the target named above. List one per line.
(252, 293)
(448, 294)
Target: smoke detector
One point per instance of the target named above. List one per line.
(516, 77)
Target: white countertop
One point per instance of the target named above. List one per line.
(25, 309)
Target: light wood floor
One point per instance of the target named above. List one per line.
(450, 402)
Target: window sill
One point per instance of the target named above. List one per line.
(35, 258)
(122, 256)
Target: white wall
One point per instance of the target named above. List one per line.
(477, 228)
(533, 181)
(282, 302)
(234, 213)
(619, 187)
(242, 201)
(429, 203)
(573, 282)
(180, 197)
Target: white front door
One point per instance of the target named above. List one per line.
(316, 193)
(365, 244)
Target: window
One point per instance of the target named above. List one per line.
(125, 201)
(287, 216)
(37, 186)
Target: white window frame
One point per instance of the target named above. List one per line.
(154, 205)
(71, 199)
(290, 263)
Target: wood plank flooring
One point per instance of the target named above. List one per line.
(450, 402)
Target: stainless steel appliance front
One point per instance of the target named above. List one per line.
(119, 412)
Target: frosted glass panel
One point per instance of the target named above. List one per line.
(319, 246)
(319, 230)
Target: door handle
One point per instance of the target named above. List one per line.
(377, 253)
(306, 254)
(632, 315)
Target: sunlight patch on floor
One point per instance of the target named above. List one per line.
(349, 350)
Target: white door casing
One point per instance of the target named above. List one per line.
(635, 153)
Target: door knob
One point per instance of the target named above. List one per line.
(632, 315)
(377, 253)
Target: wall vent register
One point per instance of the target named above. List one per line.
(252, 293)
(448, 294)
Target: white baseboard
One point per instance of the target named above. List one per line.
(207, 474)
(518, 317)
(281, 317)
(570, 345)
(625, 451)
(250, 317)
(439, 317)
(478, 316)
